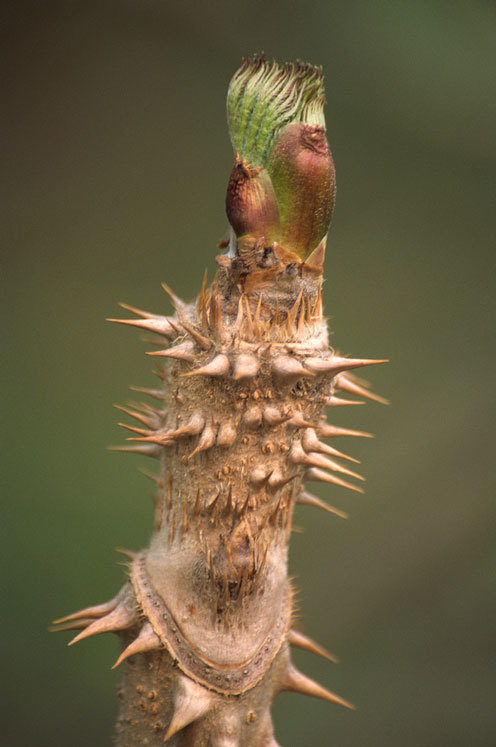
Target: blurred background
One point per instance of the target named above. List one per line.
(117, 161)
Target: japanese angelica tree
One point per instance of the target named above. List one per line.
(206, 614)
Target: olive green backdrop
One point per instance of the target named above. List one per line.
(117, 162)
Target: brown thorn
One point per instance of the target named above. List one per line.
(155, 393)
(345, 384)
(202, 341)
(150, 450)
(297, 682)
(319, 475)
(302, 641)
(308, 499)
(176, 301)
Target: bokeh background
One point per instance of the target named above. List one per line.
(117, 162)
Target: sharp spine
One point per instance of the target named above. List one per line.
(206, 440)
(308, 499)
(331, 431)
(337, 364)
(122, 617)
(246, 366)
(298, 455)
(191, 702)
(200, 339)
(295, 681)
(218, 366)
(273, 417)
(147, 640)
(252, 417)
(310, 442)
(183, 352)
(96, 610)
(227, 434)
(150, 450)
(178, 304)
(289, 369)
(345, 384)
(152, 422)
(155, 393)
(302, 641)
(318, 475)
(159, 325)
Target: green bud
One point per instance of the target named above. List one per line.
(302, 172)
(264, 97)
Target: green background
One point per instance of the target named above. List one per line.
(117, 162)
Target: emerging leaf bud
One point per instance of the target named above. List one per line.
(302, 171)
(251, 204)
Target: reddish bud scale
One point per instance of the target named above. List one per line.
(302, 172)
(251, 204)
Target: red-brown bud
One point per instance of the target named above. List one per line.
(302, 172)
(251, 204)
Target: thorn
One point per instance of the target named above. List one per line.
(183, 352)
(218, 366)
(346, 385)
(330, 431)
(273, 417)
(128, 553)
(317, 307)
(310, 442)
(216, 317)
(319, 475)
(277, 480)
(202, 341)
(147, 640)
(299, 421)
(149, 450)
(97, 610)
(120, 618)
(193, 427)
(157, 479)
(307, 499)
(257, 317)
(249, 319)
(83, 622)
(201, 297)
(150, 422)
(155, 393)
(339, 402)
(336, 364)
(214, 502)
(246, 366)
(286, 367)
(159, 325)
(252, 417)
(302, 641)
(299, 456)
(319, 460)
(297, 682)
(176, 301)
(139, 312)
(259, 475)
(134, 429)
(191, 702)
(227, 434)
(206, 440)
